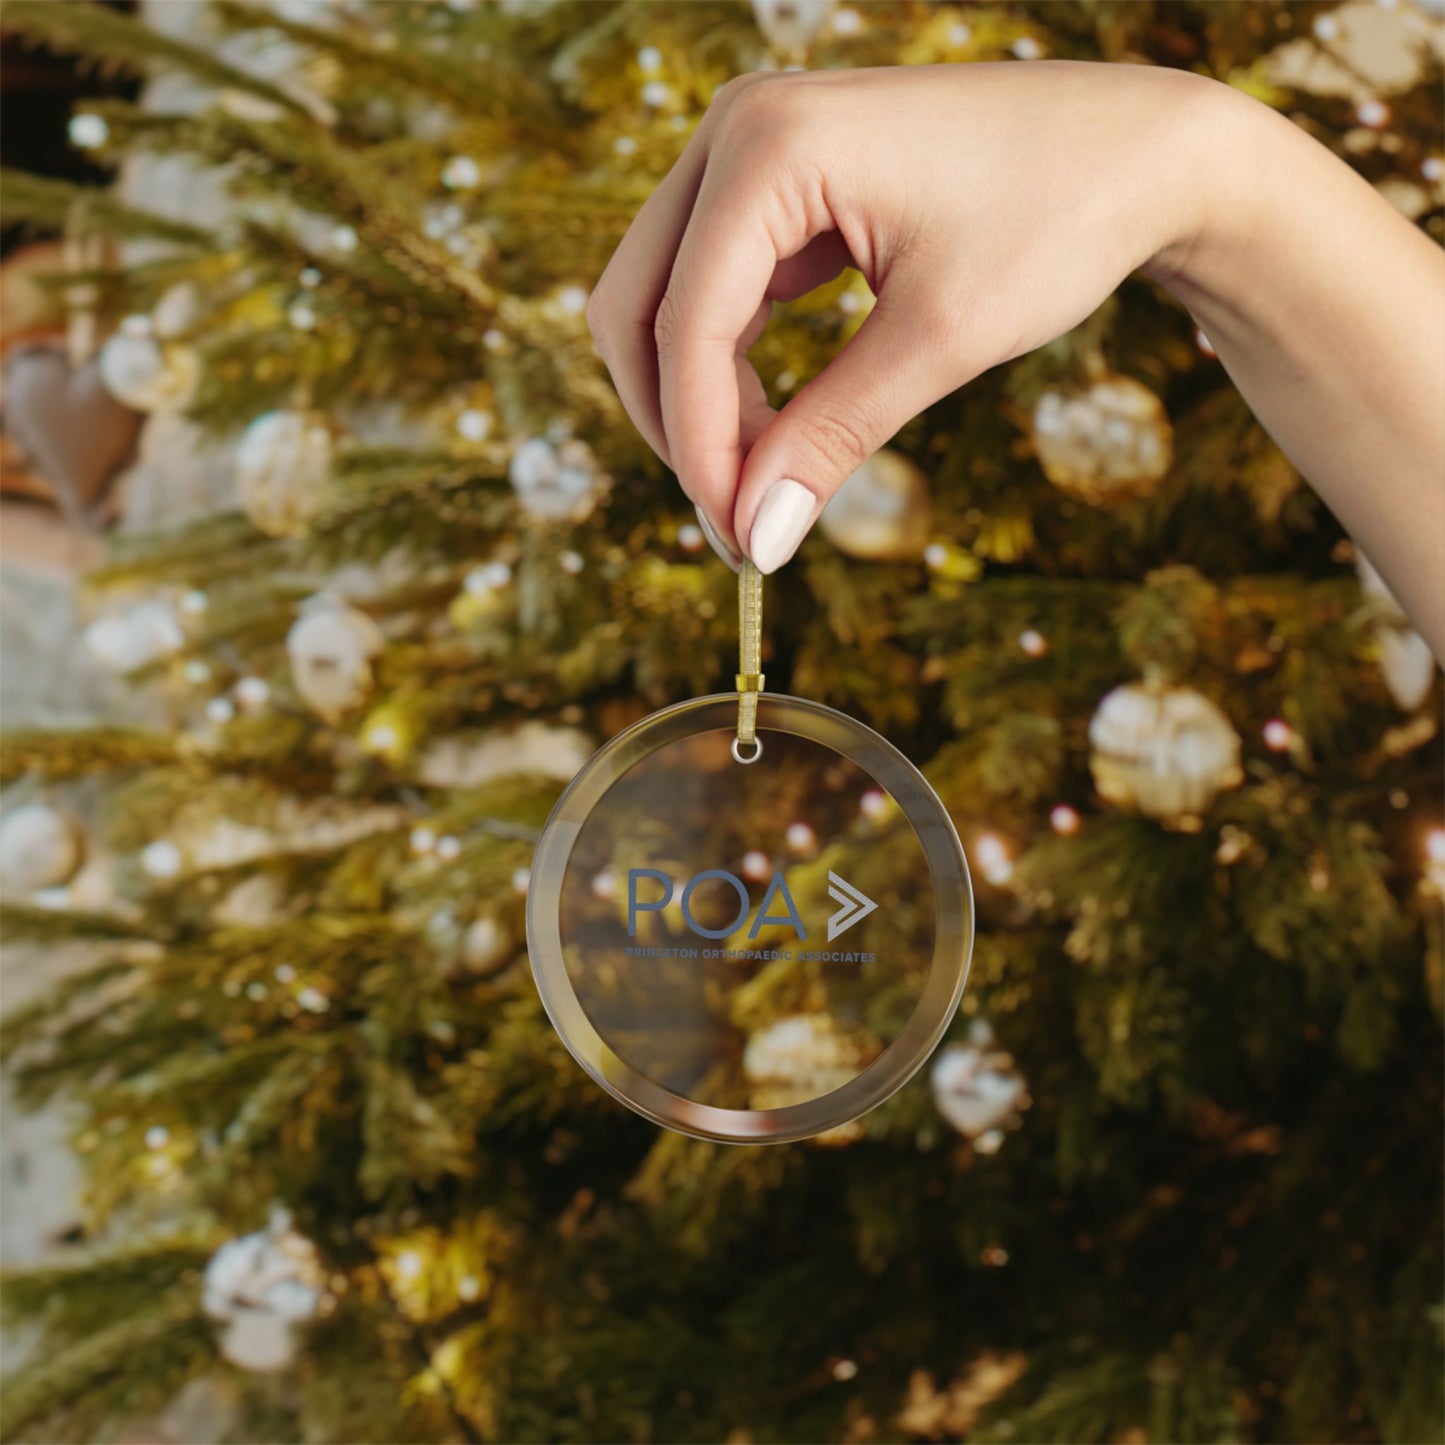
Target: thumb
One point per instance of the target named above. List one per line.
(901, 360)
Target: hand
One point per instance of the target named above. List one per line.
(989, 207)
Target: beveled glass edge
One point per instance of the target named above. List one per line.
(953, 927)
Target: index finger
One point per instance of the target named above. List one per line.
(719, 285)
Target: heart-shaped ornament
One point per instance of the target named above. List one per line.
(77, 435)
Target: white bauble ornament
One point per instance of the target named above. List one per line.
(487, 946)
(40, 847)
(261, 1286)
(1406, 661)
(882, 511)
(792, 25)
(801, 1057)
(258, 1341)
(558, 482)
(1164, 751)
(139, 372)
(331, 647)
(1108, 443)
(976, 1087)
(283, 470)
(136, 636)
(468, 760)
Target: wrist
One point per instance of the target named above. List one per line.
(1221, 146)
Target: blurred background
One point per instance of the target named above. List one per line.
(329, 556)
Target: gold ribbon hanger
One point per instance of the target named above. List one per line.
(750, 661)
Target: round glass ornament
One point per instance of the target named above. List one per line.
(754, 941)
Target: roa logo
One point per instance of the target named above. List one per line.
(777, 905)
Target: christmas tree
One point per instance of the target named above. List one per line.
(1176, 1174)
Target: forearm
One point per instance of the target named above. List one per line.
(1328, 310)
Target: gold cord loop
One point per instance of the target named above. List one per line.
(746, 746)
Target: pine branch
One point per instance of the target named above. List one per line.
(119, 42)
(51, 204)
(82, 752)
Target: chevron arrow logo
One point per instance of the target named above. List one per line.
(855, 905)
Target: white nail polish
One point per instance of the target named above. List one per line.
(782, 522)
(715, 541)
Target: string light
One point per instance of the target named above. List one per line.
(935, 555)
(845, 1370)
(344, 239)
(474, 425)
(649, 58)
(252, 692)
(490, 577)
(801, 838)
(521, 880)
(1064, 820)
(284, 973)
(423, 840)
(757, 866)
(408, 1264)
(604, 885)
(461, 173)
(1278, 735)
(87, 131)
(571, 563)
(1033, 642)
(161, 859)
(449, 848)
(689, 537)
(157, 1136)
(873, 804)
(1373, 113)
(993, 859)
(220, 710)
(313, 1000)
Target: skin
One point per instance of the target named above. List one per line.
(990, 209)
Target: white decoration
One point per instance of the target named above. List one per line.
(283, 470)
(1163, 751)
(331, 647)
(467, 760)
(792, 25)
(141, 373)
(487, 946)
(1108, 443)
(801, 1057)
(162, 859)
(261, 1287)
(555, 482)
(139, 635)
(1406, 661)
(40, 847)
(175, 313)
(881, 512)
(976, 1087)
(87, 131)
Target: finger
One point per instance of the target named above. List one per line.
(725, 264)
(901, 360)
(623, 304)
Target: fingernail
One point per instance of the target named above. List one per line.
(715, 541)
(781, 524)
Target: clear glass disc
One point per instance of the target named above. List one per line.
(752, 952)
